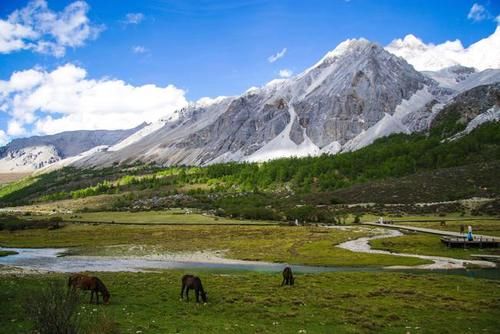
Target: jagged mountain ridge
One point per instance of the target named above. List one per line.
(347, 92)
(355, 94)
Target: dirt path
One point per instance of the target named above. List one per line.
(362, 245)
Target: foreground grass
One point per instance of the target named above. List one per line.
(254, 303)
(297, 245)
(426, 244)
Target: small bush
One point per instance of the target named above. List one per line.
(53, 310)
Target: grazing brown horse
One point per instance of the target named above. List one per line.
(287, 277)
(193, 282)
(92, 283)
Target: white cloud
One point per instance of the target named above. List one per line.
(4, 139)
(139, 49)
(37, 28)
(15, 128)
(65, 99)
(285, 73)
(477, 13)
(277, 56)
(133, 18)
(483, 54)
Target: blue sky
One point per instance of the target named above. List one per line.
(211, 48)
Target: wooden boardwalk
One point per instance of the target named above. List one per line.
(478, 242)
(430, 231)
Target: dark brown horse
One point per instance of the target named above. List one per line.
(92, 283)
(287, 277)
(193, 282)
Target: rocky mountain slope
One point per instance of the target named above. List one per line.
(355, 94)
(29, 154)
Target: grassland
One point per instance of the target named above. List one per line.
(254, 303)
(171, 216)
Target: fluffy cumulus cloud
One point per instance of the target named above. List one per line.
(65, 99)
(431, 57)
(477, 13)
(285, 73)
(133, 18)
(277, 56)
(37, 28)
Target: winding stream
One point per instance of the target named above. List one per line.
(53, 260)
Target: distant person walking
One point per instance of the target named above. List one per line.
(469, 234)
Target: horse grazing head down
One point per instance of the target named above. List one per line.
(193, 282)
(92, 283)
(288, 278)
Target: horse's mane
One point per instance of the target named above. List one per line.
(101, 286)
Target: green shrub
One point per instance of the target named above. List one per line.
(53, 310)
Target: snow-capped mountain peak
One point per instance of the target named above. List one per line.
(481, 55)
(344, 48)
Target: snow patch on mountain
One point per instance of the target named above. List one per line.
(399, 122)
(135, 137)
(283, 146)
(342, 48)
(414, 104)
(332, 148)
(490, 115)
(28, 159)
(450, 77)
(386, 126)
(68, 161)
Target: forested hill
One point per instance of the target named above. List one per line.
(388, 158)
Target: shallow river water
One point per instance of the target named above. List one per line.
(51, 259)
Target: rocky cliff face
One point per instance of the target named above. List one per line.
(467, 110)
